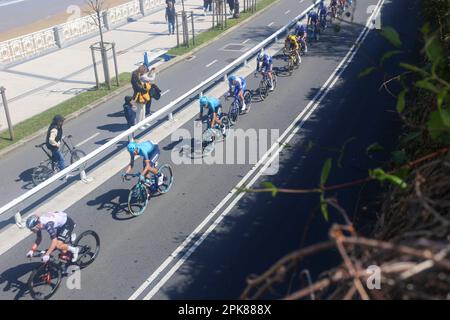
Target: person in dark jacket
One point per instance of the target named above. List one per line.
(170, 17)
(130, 114)
(53, 140)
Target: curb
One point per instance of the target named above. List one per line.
(121, 90)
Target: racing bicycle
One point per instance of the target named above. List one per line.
(264, 84)
(211, 135)
(140, 194)
(46, 278)
(235, 108)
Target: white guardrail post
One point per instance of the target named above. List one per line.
(166, 110)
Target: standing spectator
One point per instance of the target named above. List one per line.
(207, 4)
(129, 111)
(231, 5)
(170, 17)
(173, 2)
(53, 140)
(140, 96)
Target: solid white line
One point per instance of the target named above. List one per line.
(309, 110)
(270, 24)
(165, 92)
(246, 41)
(86, 140)
(287, 12)
(9, 3)
(211, 63)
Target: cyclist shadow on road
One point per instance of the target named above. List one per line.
(115, 202)
(16, 278)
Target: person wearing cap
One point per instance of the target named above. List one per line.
(53, 140)
(149, 151)
(59, 226)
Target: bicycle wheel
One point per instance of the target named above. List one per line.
(138, 199)
(76, 154)
(88, 243)
(263, 90)
(233, 113)
(166, 170)
(274, 80)
(41, 173)
(46, 277)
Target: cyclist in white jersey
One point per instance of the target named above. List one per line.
(59, 226)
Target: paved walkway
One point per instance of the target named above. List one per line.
(39, 84)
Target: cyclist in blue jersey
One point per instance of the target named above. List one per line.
(149, 151)
(322, 10)
(302, 35)
(313, 18)
(264, 64)
(239, 85)
(213, 109)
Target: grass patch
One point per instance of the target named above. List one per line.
(217, 30)
(42, 120)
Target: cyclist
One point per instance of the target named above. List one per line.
(239, 85)
(293, 47)
(323, 12)
(149, 151)
(302, 35)
(53, 140)
(264, 64)
(59, 226)
(313, 20)
(213, 107)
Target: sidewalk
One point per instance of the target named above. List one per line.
(39, 84)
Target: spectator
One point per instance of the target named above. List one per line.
(170, 17)
(148, 80)
(53, 140)
(231, 5)
(173, 2)
(129, 111)
(207, 4)
(140, 94)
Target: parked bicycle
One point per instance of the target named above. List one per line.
(211, 135)
(49, 274)
(140, 194)
(49, 167)
(235, 108)
(264, 84)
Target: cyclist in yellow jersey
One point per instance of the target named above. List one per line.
(294, 46)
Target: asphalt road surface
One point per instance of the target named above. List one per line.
(259, 229)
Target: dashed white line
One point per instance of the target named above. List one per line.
(246, 41)
(287, 12)
(271, 24)
(86, 140)
(211, 63)
(165, 92)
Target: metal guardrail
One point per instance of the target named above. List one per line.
(166, 110)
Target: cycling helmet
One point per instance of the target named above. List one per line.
(132, 146)
(32, 221)
(261, 55)
(203, 101)
(232, 78)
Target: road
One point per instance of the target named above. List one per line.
(259, 229)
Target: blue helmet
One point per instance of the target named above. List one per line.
(232, 78)
(32, 221)
(132, 146)
(203, 101)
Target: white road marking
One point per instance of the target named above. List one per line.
(271, 24)
(11, 2)
(312, 105)
(246, 41)
(86, 140)
(211, 63)
(287, 12)
(165, 92)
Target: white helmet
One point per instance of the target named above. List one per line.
(261, 55)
